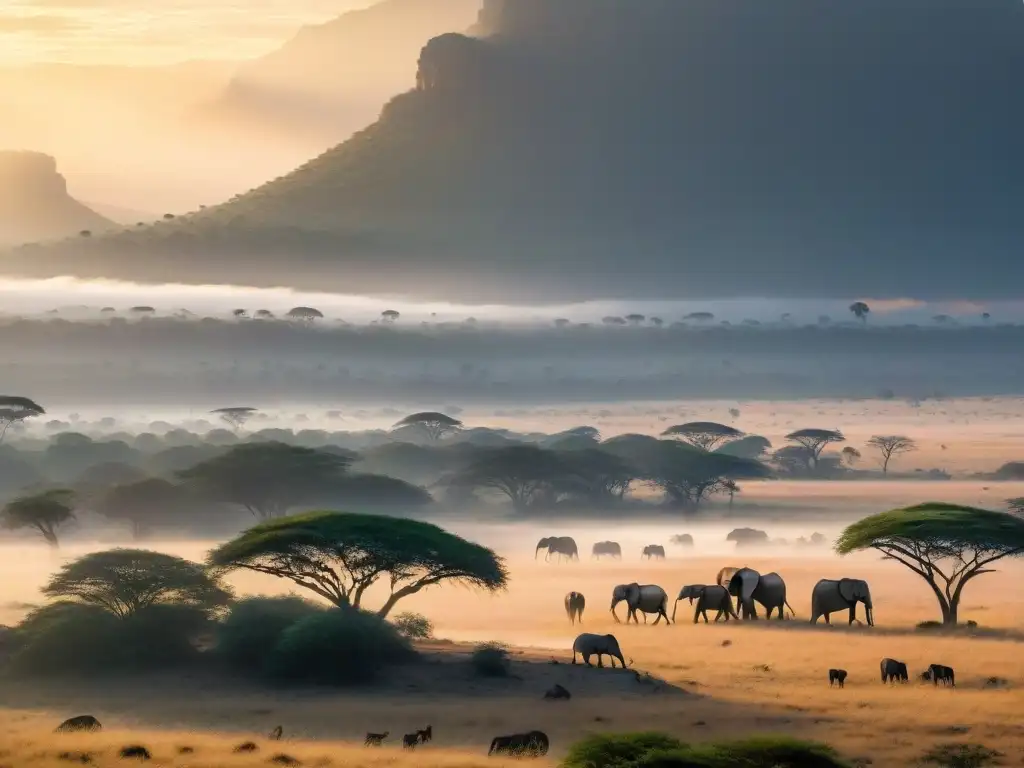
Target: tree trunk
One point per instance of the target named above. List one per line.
(950, 615)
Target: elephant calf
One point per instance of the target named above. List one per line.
(893, 670)
(837, 677)
(586, 645)
(575, 602)
(938, 673)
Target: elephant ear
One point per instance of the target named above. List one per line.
(633, 593)
(746, 579)
(848, 589)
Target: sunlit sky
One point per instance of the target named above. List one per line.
(152, 31)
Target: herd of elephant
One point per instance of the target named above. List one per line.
(749, 587)
(565, 547)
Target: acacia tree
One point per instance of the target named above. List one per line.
(947, 545)
(703, 434)
(235, 416)
(521, 472)
(891, 445)
(268, 479)
(815, 440)
(860, 310)
(47, 512)
(305, 314)
(15, 409)
(141, 504)
(434, 425)
(339, 555)
(125, 581)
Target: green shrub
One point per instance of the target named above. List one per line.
(961, 756)
(77, 639)
(247, 636)
(414, 626)
(339, 646)
(657, 750)
(491, 660)
(617, 750)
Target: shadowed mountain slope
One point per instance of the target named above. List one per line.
(35, 204)
(590, 148)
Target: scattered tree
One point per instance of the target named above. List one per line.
(239, 313)
(612, 320)
(815, 440)
(891, 445)
(749, 447)
(125, 581)
(142, 504)
(700, 317)
(562, 322)
(860, 310)
(703, 434)
(235, 416)
(390, 315)
(264, 314)
(635, 319)
(142, 310)
(268, 479)
(47, 512)
(339, 555)
(734, 412)
(305, 314)
(85, 233)
(947, 545)
(850, 455)
(15, 409)
(657, 322)
(434, 425)
(524, 473)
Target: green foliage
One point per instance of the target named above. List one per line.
(142, 504)
(338, 555)
(961, 756)
(125, 581)
(377, 491)
(414, 626)
(247, 636)
(656, 750)
(521, 472)
(78, 639)
(340, 646)
(703, 434)
(434, 425)
(46, 512)
(268, 478)
(491, 660)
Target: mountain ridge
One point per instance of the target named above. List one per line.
(584, 150)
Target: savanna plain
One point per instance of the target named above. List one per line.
(696, 682)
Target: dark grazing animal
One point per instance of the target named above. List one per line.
(79, 723)
(893, 670)
(654, 550)
(938, 673)
(575, 602)
(557, 692)
(375, 739)
(427, 734)
(136, 751)
(246, 746)
(275, 735)
(410, 740)
(532, 744)
(837, 676)
(610, 548)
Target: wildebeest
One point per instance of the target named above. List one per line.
(136, 751)
(427, 734)
(939, 673)
(837, 676)
(893, 670)
(275, 735)
(79, 723)
(610, 548)
(563, 546)
(654, 550)
(575, 602)
(375, 739)
(532, 744)
(410, 740)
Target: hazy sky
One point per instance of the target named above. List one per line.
(152, 31)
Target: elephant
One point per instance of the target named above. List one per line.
(575, 602)
(649, 598)
(715, 596)
(587, 644)
(832, 595)
(654, 550)
(558, 545)
(682, 539)
(747, 537)
(530, 744)
(610, 548)
(769, 590)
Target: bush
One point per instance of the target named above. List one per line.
(961, 756)
(247, 636)
(338, 646)
(72, 638)
(491, 660)
(414, 626)
(657, 750)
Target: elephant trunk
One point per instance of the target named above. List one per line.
(869, 612)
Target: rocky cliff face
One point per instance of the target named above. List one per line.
(35, 204)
